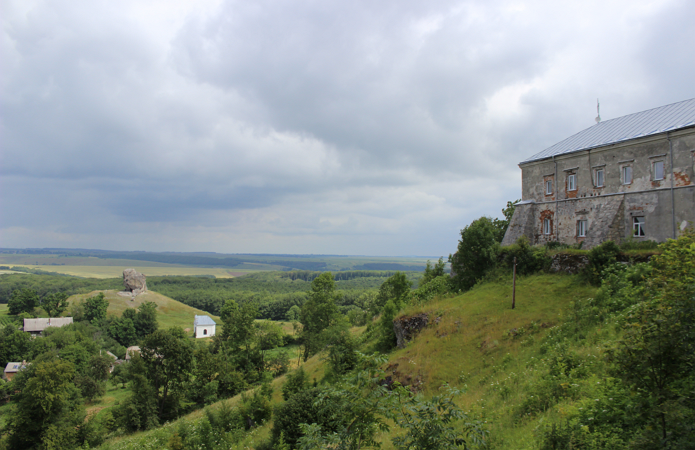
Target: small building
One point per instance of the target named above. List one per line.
(130, 351)
(632, 177)
(36, 326)
(203, 326)
(12, 368)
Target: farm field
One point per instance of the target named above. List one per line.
(117, 271)
(170, 313)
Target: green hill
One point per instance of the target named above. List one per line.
(170, 313)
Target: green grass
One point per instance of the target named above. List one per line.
(170, 313)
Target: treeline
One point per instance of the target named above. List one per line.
(273, 293)
(48, 284)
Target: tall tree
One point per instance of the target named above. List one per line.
(22, 300)
(95, 308)
(48, 411)
(476, 254)
(55, 304)
(318, 312)
(168, 357)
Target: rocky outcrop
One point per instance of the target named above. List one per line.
(134, 282)
(407, 327)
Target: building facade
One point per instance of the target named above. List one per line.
(625, 178)
(203, 326)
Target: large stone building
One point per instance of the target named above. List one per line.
(621, 178)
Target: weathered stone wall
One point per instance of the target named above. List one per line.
(609, 209)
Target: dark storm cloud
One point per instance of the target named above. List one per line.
(325, 127)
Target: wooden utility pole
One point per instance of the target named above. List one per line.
(514, 285)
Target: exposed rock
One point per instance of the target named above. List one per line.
(407, 327)
(134, 282)
(568, 263)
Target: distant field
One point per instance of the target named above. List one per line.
(117, 271)
(170, 313)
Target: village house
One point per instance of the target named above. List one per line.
(203, 326)
(13, 368)
(36, 326)
(624, 178)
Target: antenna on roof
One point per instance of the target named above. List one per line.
(598, 117)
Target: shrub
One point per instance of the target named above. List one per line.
(301, 408)
(600, 257)
(528, 259)
(437, 286)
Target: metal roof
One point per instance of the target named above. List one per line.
(646, 123)
(34, 325)
(203, 320)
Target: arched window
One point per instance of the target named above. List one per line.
(205, 331)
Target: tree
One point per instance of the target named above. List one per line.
(293, 313)
(122, 329)
(432, 272)
(476, 254)
(14, 345)
(55, 304)
(95, 308)
(146, 319)
(501, 225)
(48, 411)
(656, 356)
(318, 312)
(396, 288)
(168, 358)
(22, 300)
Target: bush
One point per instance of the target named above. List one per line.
(437, 286)
(301, 408)
(529, 259)
(297, 381)
(600, 257)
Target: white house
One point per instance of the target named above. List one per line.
(203, 326)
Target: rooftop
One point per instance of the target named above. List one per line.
(34, 325)
(203, 320)
(646, 123)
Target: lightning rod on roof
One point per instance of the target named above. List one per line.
(598, 117)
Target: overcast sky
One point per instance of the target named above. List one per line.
(304, 126)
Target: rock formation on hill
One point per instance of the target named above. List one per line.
(406, 328)
(134, 282)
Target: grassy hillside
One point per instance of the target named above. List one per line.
(170, 313)
(467, 345)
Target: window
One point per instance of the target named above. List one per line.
(599, 177)
(205, 331)
(547, 226)
(638, 226)
(581, 228)
(548, 187)
(572, 182)
(658, 170)
(627, 174)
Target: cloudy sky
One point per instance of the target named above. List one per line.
(304, 126)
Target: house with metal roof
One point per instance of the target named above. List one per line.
(626, 178)
(203, 326)
(36, 326)
(13, 368)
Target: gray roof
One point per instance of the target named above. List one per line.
(203, 320)
(41, 324)
(653, 121)
(13, 367)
